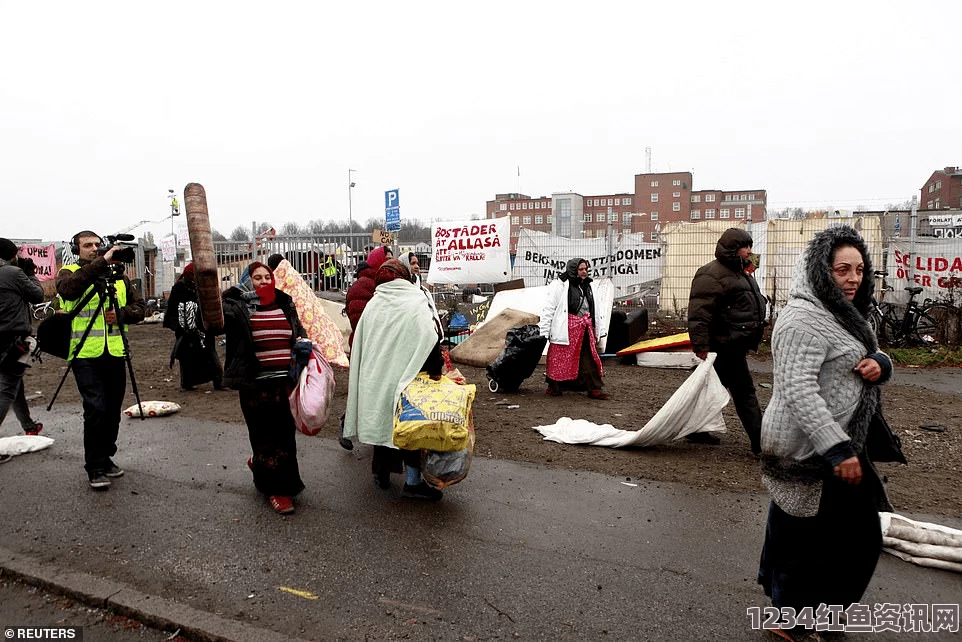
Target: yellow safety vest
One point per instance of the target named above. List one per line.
(329, 268)
(98, 337)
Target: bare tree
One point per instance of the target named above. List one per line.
(290, 229)
(240, 233)
(217, 236)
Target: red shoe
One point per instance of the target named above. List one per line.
(250, 463)
(597, 394)
(37, 427)
(551, 392)
(282, 504)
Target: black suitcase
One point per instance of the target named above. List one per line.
(522, 351)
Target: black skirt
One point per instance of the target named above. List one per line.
(829, 558)
(271, 429)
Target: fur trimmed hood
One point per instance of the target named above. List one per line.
(812, 281)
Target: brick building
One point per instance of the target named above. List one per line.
(943, 190)
(657, 199)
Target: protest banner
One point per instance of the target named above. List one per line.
(44, 257)
(541, 256)
(935, 266)
(470, 252)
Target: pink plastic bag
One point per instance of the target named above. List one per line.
(311, 398)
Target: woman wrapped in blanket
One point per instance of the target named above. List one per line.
(262, 328)
(823, 537)
(571, 323)
(396, 337)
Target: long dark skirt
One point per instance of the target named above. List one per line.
(825, 559)
(271, 429)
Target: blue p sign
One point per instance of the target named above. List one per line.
(391, 199)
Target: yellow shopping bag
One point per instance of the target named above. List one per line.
(433, 415)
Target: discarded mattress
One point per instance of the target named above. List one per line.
(485, 344)
(20, 444)
(922, 543)
(695, 407)
(672, 342)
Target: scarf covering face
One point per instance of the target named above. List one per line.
(246, 285)
(390, 270)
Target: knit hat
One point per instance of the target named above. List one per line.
(390, 270)
(8, 249)
(188, 272)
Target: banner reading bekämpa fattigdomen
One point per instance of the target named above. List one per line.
(631, 263)
(470, 252)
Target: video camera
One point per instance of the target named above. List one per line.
(126, 245)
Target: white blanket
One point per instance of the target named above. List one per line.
(695, 407)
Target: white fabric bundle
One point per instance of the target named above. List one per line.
(922, 543)
(695, 407)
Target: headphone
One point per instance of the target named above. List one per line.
(75, 240)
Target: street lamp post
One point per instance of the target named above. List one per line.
(174, 211)
(350, 212)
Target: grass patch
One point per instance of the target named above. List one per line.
(937, 356)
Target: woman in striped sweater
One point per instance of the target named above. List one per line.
(262, 327)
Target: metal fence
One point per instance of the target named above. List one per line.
(656, 275)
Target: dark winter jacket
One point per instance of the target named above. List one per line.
(726, 310)
(241, 366)
(363, 288)
(17, 292)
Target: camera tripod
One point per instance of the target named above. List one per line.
(107, 290)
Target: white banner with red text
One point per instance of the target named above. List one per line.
(935, 266)
(470, 252)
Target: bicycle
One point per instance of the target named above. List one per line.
(919, 324)
(43, 310)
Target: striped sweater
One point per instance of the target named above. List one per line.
(272, 340)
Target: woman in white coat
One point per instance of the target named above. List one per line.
(570, 322)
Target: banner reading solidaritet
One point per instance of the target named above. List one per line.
(540, 257)
(44, 257)
(471, 252)
(936, 266)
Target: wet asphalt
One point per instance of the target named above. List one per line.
(514, 552)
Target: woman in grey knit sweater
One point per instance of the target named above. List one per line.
(823, 538)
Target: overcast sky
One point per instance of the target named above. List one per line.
(107, 105)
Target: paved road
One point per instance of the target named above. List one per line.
(516, 551)
(22, 605)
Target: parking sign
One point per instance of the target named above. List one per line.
(392, 210)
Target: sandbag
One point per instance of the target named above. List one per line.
(487, 341)
(205, 262)
(433, 415)
(153, 409)
(20, 444)
(311, 399)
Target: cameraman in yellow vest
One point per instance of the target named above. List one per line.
(98, 363)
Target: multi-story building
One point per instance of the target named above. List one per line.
(943, 190)
(657, 199)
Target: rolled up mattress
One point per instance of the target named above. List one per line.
(205, 263)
